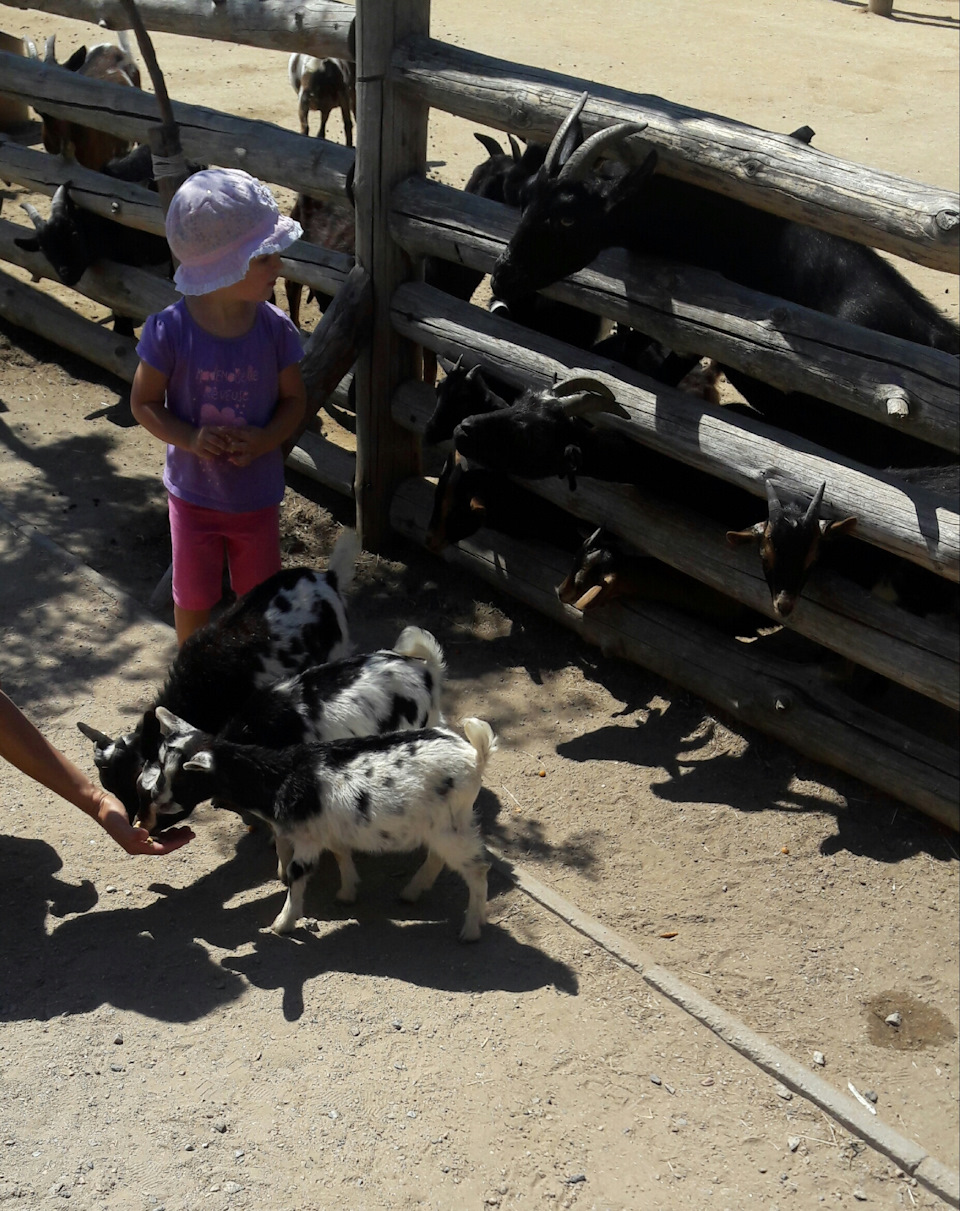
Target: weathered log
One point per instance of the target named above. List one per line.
(892, 515)
(771, 171)
(788, 702)
(917, 652)
(313, 166)
(336, 343)
(321, 269)
(324, 463)
(392, 144)
(41, 314)
(694, 311)
(316, 27)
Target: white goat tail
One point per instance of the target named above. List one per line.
(480, 734)
(342, 565)
(420, 644)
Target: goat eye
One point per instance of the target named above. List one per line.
(566, 220)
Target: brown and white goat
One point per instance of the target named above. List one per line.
(105, 62)
(323, 85)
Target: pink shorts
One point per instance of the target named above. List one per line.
(201, 537)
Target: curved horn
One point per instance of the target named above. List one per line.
(91, 733)
(582, 160)
(34, 215)
(490, 144)
(580, 383)
(515, 149)
(553, 151)
(813, 512)
(585, 402)
(30, 47)
(49, 49)
(774, 504)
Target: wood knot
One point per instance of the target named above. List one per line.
(948, 219)
(751, 167)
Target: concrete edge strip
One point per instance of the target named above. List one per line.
(909, 1156)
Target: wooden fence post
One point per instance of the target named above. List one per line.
(883, 8)
(391, 145)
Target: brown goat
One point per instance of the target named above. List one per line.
(111, 64)
(323, 85)
(333, 227)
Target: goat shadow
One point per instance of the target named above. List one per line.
(153, 959)
(760, 778)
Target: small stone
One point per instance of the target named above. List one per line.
(397, 1024)
(894, 1019)
(784, 1092)
(219, 1125)
(118, 1039)
(859, 1195)
(655, 1079)
(188, 1147)
(870, 1095)
(232, 1187)
(819, 1059)
(116, 1068)
(793, 1142)
(239, 1154)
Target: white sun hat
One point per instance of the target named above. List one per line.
(218, 220)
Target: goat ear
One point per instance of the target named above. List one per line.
(77, 59)
(737, 538)
(28, 243)
(91, 733)
(169, 722)
(833, 529)
(200, 761)
(477, 507)
(149, 777)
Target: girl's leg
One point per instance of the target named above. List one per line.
(196, 539)
(253, 547)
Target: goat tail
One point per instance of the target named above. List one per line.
(480, 734)
(294, 71)
(342, 564)
(414, 641)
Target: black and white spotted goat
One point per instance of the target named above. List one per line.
(372, 794)
(295, 619)
(390, 690)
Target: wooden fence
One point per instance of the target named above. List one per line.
(383, 313)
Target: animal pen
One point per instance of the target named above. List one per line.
(383, 315)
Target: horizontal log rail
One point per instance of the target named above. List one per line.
(793, 704)
(893, 515)
(308, 165)
(894, 382)
(317, 267)
(916, 652)
(768, 170)
(316, 27)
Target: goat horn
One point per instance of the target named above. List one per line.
(490, 144)
(581, 162)
(553, 152)
(774, 504)
(515, 148)
(49, 51)
(31, 48)
(581, 383)
(814, 510)
(33, 214)
(585, 402)
(91, 733)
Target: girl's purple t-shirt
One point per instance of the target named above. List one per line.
(217, 381)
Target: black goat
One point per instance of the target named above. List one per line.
(464, 391)
(73, 238)
(468, 499)
(293, 620)
(571, 213)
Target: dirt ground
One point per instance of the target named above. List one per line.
(158, 1049)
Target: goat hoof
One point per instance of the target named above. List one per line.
(470, 933)
(283, 925)
(346, 897)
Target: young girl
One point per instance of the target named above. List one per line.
(219, 382)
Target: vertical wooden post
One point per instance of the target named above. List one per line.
(883, 8)
(391, 145)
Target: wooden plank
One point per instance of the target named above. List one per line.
(308, 165)
(791, 703)
(695, 311)
(316, 27)
(891, 514)
(392, 144)
(768, 170)
(920, 653)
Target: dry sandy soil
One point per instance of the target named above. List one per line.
(159, 1050)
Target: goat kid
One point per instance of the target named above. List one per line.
(323, 85)
(390, 690)
(373, 794)
(332, 226)
(107, 63)
(571, 213)
(295, 619)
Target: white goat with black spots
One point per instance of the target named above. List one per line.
(373, 794)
